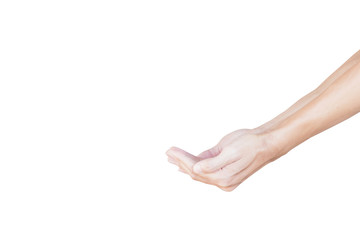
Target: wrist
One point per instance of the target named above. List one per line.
(279, 138)
(289, 133)
(278, 143)
(272, 146)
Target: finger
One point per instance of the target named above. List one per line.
(225, 179)
(175, 162)
(215, 163)
(183, 158)
(237, 166)
(171, 160)
(223, 175)
(212, 152)
(185, 162)
(229, 189)
(247, 172)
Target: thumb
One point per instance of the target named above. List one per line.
(212, 164)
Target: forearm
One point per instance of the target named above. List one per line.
(311, 96)
(338, 100)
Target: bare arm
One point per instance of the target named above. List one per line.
(241, 153)
(339, 101)
(349, 64)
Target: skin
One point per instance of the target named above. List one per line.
(241, 153)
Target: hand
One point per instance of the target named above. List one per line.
(241, 153)
(236, 157)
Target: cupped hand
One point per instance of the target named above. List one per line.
(226, 165)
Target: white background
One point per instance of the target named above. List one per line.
(92, 94)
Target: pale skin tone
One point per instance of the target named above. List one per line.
(241, 153)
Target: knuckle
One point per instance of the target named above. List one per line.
(227, 189)
(224, 182)
(195, 177)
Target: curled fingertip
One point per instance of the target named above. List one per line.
(180, 170)
(197, 168)
(171, 152)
